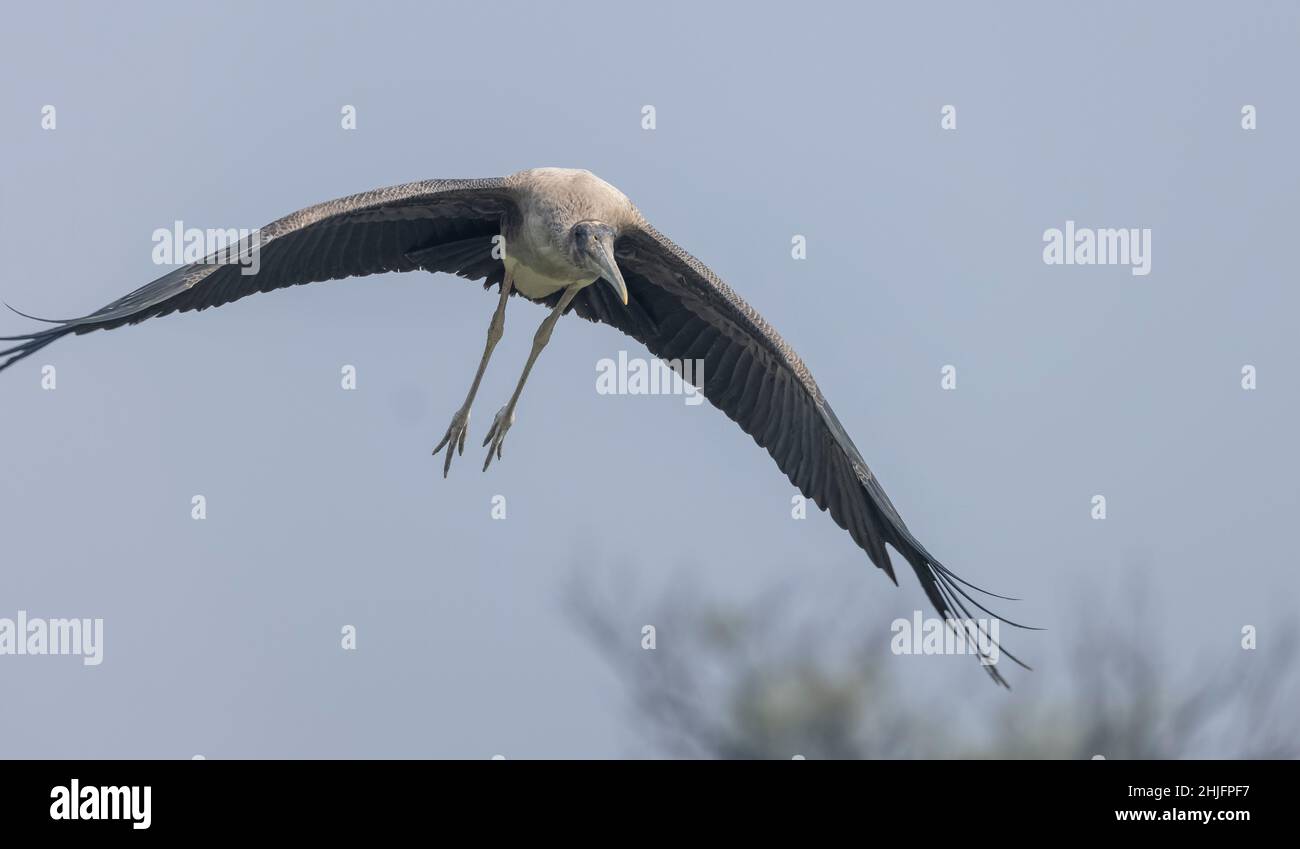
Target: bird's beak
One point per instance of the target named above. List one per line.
(603, 254)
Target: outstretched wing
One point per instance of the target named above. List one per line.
(680, 309)
(440, 225)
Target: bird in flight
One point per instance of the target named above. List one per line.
(569, 240)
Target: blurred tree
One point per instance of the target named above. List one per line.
(760, 682)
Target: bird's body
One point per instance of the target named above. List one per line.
(549, 234)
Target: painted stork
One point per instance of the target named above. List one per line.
(549, 234)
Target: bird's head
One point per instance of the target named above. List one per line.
(593, 248)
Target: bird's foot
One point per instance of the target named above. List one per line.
(454, 439)
(504, 419)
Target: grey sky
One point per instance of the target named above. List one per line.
(924, 249)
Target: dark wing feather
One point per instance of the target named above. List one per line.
(439, 225)
(679, 309)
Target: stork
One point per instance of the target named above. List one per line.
(551, 235)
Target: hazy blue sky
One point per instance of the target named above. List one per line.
(924, 249)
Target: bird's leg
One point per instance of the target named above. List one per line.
(454, 439)
(506, 417)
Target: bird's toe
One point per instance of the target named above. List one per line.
(454, 438)
(495, 439)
